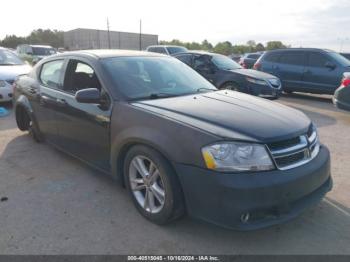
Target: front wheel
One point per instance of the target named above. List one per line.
(231, 86)
(153, 185)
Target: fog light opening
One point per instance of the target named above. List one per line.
(245, 217)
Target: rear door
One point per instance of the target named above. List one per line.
(45, 91)
(290, 70)
(84, 128)
(318, 77)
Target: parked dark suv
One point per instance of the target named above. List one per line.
(176, 142)
(225, 73)
(305, 69)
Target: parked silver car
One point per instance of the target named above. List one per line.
(10, 67)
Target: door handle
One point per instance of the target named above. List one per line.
(61, 102)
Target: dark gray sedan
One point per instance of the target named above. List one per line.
(225, 73)
(176, 142)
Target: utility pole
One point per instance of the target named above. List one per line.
(109, 35)
(140, 34)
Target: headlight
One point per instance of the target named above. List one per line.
(237, 157)
(2, 83)
(257, 81)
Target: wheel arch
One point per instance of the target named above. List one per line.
(119, 153)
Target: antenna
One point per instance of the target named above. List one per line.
(108, 34)
(140, 35)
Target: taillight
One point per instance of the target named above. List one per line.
(257, 66)
(345, 82)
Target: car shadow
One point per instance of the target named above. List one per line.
(87, 193)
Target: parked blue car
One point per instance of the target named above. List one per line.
(308, 70)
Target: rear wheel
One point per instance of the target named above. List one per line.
(25, 123)
(153, 185)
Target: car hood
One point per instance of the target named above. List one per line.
(253, 73)
(11, 72)
(234, 115)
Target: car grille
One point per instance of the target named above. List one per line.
(295, 152)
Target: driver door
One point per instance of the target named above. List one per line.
(203, 65)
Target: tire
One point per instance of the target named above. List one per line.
(25, 123)
(165, 199)
(231, 86)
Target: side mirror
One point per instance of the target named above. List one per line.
(330, 65)
(29, 53)
(88, 96)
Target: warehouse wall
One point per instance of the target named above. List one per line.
(78, 39)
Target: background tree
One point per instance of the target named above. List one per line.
(260, 47)
(39, 36)
(274, 45)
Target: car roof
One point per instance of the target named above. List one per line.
(196, 52)
(166, 46)
(106, 53)
(300, 49)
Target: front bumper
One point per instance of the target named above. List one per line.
(269, 197)
(265, 91)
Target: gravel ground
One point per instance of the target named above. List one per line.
(53, 204)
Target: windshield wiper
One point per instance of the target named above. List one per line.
(156, 96)
(205, 89)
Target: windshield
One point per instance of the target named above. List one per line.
(225, 63)
(176, 49)
(43, 51)
(9, 58)
(340, 59)
(150, 77)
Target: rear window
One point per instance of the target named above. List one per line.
(293, 58)
(43, 51)
(176, 49)
(254, 56)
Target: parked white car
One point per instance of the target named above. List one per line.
(11, 66)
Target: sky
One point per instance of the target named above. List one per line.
(300, 23)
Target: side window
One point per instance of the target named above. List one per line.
(185, 59)
(273, 57)
(80, 75)
(200, 61)
(293, 58)
(317, 60)
(150, 49)
(254, 56)
(50, 73)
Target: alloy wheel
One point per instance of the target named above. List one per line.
(146, 184)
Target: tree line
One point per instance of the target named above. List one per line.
(227, 48)
(50, 37)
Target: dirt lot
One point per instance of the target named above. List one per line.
(53, 204)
